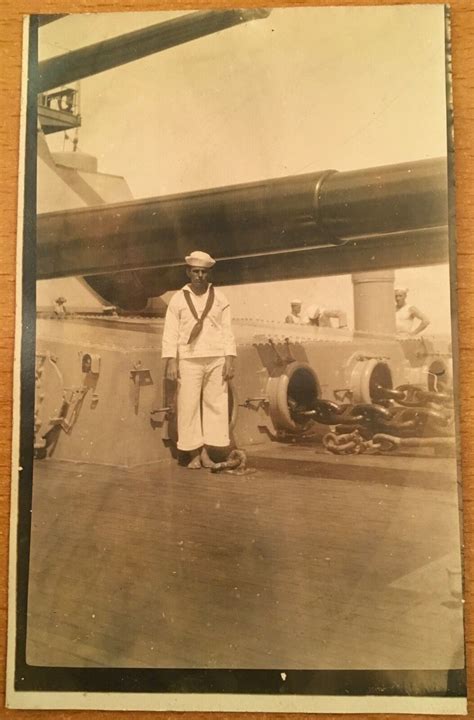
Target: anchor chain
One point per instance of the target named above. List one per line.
(407, 416)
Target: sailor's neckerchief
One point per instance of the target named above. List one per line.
(197, 329)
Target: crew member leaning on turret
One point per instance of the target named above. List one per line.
(321, 316)
(199, 348)
(409, 320)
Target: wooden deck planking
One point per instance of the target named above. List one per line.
(164, 567)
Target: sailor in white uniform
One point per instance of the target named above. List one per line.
(199, 347)
(295, 317)
(408, 319)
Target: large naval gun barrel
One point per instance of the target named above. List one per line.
(303, 226)
(108, 54)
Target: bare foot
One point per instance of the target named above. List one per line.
(195, 463)
(206, 460)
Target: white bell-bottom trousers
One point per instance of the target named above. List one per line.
(203, 405)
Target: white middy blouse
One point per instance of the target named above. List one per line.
(216, 338)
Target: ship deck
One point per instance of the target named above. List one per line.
(311, 562)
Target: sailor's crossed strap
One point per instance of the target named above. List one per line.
(200, 320)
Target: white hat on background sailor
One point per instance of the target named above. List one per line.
(199, 259)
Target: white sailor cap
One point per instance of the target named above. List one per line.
(296, 301)
(200, 259)
(401, 290)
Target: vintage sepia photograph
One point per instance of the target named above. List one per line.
(236, 478)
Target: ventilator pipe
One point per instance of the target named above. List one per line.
(374, 304)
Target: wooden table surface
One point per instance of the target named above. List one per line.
(10, 64)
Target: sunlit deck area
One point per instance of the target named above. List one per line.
(311, 562)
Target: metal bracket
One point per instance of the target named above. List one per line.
(255, 403)
(71, 408)
(281, 361)
(140, 376)
(167, 412)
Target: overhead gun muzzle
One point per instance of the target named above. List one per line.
(307, 225)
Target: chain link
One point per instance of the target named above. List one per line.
(406, 416)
